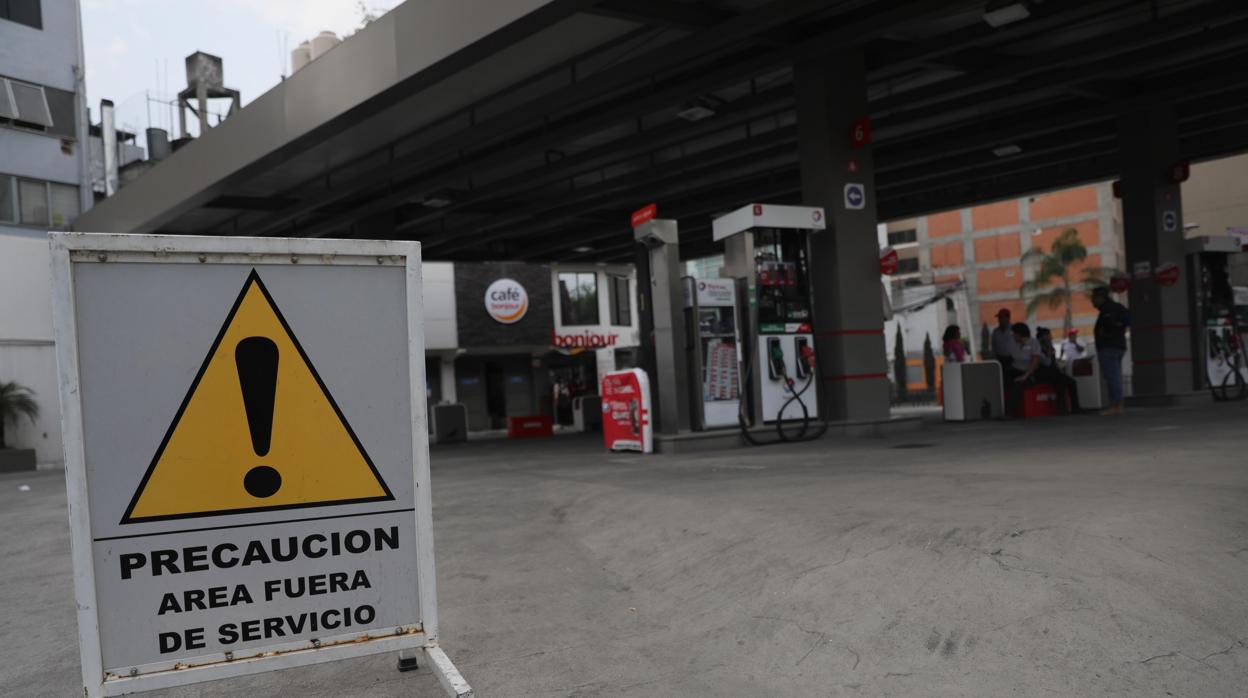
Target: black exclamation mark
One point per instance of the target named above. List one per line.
(256, 359)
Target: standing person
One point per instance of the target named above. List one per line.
(953, 348)
(1003, 341)
(1072, 348)
(1111, 343)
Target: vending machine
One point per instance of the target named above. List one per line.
(1217, 335)
(713, 343)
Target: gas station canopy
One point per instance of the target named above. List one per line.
(529, 129)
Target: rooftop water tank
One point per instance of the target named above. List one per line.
(323, 42)
(300, 56)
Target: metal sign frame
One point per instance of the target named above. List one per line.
(70, 249)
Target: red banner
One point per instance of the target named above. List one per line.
(888, 261)
(1168, 274)
(645, 213)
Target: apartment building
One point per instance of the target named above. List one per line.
(42, 173)
(982, 248)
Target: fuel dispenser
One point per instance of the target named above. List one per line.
(767, 251)
(1216, 334)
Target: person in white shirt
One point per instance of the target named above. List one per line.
(1002, 341)
(1022, 368)
(1072, 348)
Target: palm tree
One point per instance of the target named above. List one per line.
(1052, 286)
(16, 401)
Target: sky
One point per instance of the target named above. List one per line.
(137, 47)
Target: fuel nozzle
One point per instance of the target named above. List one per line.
(805, 357)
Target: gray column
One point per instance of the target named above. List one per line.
(668, 387)
(1161, 345)
(848, 309)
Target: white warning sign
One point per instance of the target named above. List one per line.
(247, 464)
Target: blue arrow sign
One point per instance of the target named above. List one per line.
(855, 196)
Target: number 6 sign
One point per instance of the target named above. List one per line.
(860, 133)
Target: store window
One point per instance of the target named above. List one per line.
(621, 301)
(578, 298)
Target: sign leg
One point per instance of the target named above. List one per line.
(447, 674)
(408, 660)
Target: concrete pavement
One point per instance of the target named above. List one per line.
(1078, 556)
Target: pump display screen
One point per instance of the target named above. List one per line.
(781, 276)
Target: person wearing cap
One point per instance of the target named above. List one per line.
(1002, 342)
(1071, 347)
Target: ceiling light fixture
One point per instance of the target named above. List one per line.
(998, 13)
(697, 110)
(436, 201)
(583, 249)
(1007, 150)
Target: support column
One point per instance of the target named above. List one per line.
(848, 306)
(1152, 217)
(446, 377)
(668, 381)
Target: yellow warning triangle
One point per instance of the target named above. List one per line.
(257, 431)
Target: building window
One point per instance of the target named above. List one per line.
(908, 265)
(621, 301)
(63, 200)
(24, 104)
(26, 12)
(578, 298)
(902, 237)
(8, 199)
(37, 203)
(32, 197)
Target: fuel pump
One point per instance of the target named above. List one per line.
(767, 251)
(1217, 335)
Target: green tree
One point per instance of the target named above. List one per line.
(16, 401)
(1052, 285)
(899, 365)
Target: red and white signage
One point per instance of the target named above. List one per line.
(1180, 171)
(889, 261)
(626, 411)
(860, 133)
(584, 340)
(506, 301)
(644, 214)
(1168, 274)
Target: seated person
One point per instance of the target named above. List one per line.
(1051, 373)
(1022, 369)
